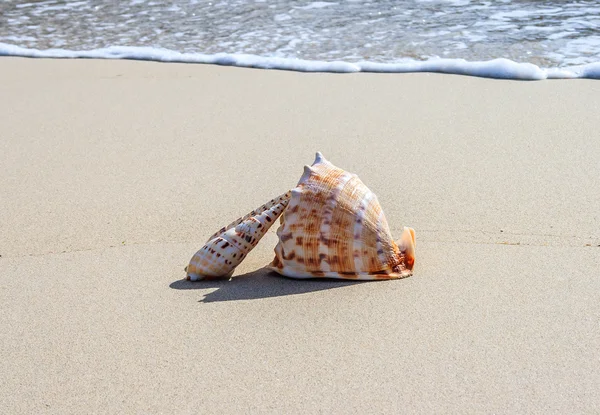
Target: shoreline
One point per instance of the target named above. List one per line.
(500, 68)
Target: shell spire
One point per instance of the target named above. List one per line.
(228, 247)
(334, 227)
(306, 175)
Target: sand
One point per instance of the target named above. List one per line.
(113, 173)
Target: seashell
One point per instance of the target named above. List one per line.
(227, 248)
(334, 227)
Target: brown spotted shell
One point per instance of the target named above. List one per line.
(227, 248)
(334, 227)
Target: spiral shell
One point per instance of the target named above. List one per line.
(227, 248)
(334, 227)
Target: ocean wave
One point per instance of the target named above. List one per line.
(496, 68)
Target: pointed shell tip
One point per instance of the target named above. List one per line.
(319, 158)
(306, 174)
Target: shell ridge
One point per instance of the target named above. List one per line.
(358, 227)
(254, 212)
(247, 234)
(380, 251)
(324, 251)
(308, 171)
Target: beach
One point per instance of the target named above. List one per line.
(113, 173)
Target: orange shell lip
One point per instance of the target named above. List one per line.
(407, 245)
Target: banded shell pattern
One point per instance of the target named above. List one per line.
(226, 248)
(334, 227)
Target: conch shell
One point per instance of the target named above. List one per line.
(226, 249)
(334, 227)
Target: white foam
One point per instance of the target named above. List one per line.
(496, 68)
(316, 5)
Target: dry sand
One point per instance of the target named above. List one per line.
(113, 173)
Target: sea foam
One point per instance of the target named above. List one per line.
(496, 68)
